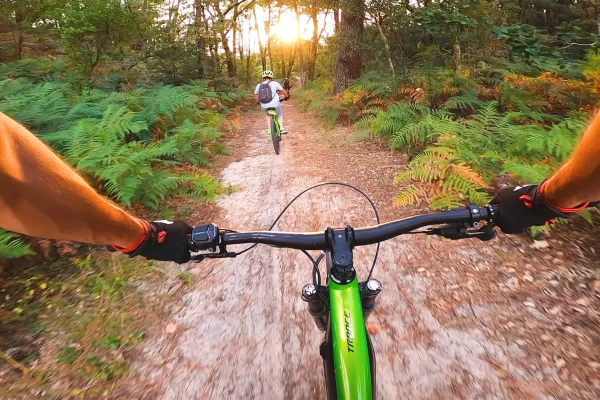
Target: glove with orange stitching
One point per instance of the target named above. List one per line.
(524, 206)
(162, 241)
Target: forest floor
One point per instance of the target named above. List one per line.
(505, 319)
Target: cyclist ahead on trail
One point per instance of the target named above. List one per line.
(287, 86)
(42, 196)
(269, 94)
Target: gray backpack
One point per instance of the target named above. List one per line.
(265, 94)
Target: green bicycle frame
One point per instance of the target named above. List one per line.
(273, 114)
(349, 339)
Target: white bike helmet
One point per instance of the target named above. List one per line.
(268, 74)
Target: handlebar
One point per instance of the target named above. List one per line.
(208, 237)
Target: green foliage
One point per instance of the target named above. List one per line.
(469, 152)
(35, 69)
(41, 107)
(560, 140)
(11, 246)
(68, 355)
(468, 101)
(522, 40)
(127, 141)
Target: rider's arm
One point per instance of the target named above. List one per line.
(572, 188)
(256, 91)
(42, 196)
(578, 180)
(280, 90)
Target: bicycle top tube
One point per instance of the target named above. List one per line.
(362, 236)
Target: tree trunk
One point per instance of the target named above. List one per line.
(200, 39)
(248, 66)
(229, 56)
(315, 41)
(291, 60)
(336, 19)
(385, 45)
(18, 33)
(299, 40)
(234, 29)
(173, 20)
(268, 29)
(263, 57)
(348, 60)
(215, 57)
(457, 56)
(597, 8)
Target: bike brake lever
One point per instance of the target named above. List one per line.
(459, 231)
(197, 258)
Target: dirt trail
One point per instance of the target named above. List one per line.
(456, 320)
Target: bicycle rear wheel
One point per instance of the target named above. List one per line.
(275, 135)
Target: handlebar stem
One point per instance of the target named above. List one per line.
(341, 242)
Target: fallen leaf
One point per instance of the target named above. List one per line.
(171, 328)
(540, 244)
(546, 338)
(571, 330)
(554, 310)
(583, 301)
(372, 329)
(594, 364)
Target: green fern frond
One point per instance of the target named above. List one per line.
(205, 188)
(11, 246)
(445, 200)
(538, 230)
(360, 135)
(408, 196)
(465, 102)
(525, 172)
(422, 173)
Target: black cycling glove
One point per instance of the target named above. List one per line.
(163, 241)
(524, 206)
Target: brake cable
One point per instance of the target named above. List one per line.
(316, 272)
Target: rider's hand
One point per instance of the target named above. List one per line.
(162, 241)
(525, 206)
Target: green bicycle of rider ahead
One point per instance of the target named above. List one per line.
(269, 94)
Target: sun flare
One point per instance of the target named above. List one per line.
(287, 28)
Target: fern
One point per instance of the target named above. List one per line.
(426, 130)
(525, 172)
(128, 141)
(422, 173)
(465, 172)
(42, 107)
(445, 200)
(189, 139)
(11, 246)
(205, 188)
(560, 140)
(409, 195)
(465, 102)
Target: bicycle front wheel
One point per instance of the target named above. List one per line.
(275, 135)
